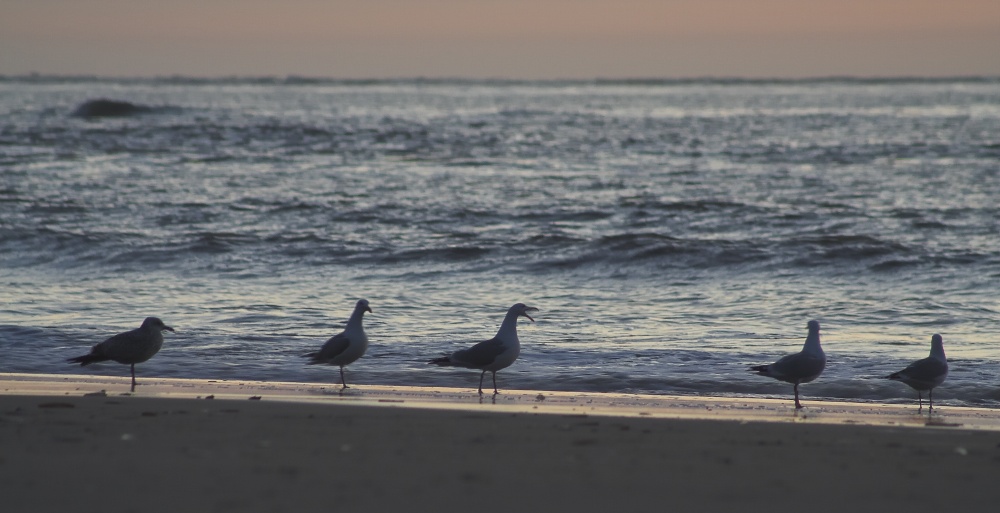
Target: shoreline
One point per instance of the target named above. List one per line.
(602, 404)
(66, 445)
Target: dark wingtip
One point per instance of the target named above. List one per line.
(84, 360)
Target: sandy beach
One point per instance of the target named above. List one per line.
(80, 443)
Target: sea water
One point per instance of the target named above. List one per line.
(672, 233)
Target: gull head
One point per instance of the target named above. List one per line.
(813, 326)
(523, 309)
(155, 323)
(363, 305)
(937, 347)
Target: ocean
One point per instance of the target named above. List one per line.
(672, 233)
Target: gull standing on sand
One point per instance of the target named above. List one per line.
(494, 354)
(131, 347)
(801, 367)
(925, 374)
(347, 346)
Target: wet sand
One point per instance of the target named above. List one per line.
(66, 445)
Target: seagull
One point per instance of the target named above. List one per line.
(493, 354)
(347, 346)
(925, 374)
(131, 347)
(798, 368)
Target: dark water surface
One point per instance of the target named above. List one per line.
(672, 233)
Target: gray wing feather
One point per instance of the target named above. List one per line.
(927, 370)
(332, 348)
(797, 366)
(928, 367)
(129, 347)
(480, 354)
(120, 342)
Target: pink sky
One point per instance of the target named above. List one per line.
(501, 38)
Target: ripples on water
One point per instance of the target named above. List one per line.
(672, 233)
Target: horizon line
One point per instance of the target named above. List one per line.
(294, 79)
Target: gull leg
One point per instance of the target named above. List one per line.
(481, 382)
(133, 377)
(798, 405)
(930, 399)
(920, 400)
(495, 391)
(343, 381)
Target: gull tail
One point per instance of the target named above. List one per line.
(87, 358)
(444, 361)
(313, 357)
(895, 375)
(763, 370)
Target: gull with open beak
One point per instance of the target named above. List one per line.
(494, 354)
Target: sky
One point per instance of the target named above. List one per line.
(512, 39)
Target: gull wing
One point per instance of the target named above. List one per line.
(133, 346)
(120, 342)
(926, 371)
(332, 348)
(796, 367)
(479, 355)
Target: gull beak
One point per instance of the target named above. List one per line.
(168, 328)
(369, 309)
(529, 309)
